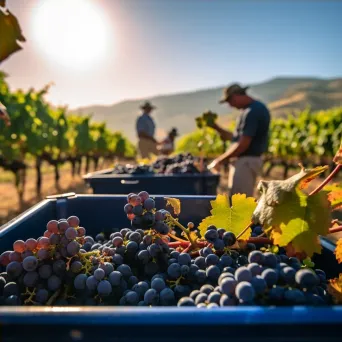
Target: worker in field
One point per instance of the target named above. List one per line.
(249, 140)
(167, 146)
(145, 126)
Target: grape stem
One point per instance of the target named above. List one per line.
(53, 297)
(185, 230)
(326, 181)
(177, 238)
(261, 240)
(335, 229)
(186, 249)
(178, 243)
(244, 231)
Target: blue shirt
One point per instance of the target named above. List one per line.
(254, 122)
(145, 124)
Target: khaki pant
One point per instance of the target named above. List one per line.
(147, 147)
(243, 173)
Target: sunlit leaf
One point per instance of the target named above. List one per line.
(232, 218)
(175, 203)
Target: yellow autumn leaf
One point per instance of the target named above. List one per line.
(338, 250)
(335, 289)
(174, 203)
(233, 218)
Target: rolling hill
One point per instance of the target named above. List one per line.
(282, 94)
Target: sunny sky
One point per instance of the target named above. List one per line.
(105, 51)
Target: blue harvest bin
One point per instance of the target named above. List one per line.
(130, 324)
(105, 182)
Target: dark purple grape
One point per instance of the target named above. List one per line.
(42, 296)
(19, 246)
(229, 239)
(71, 233)
(30, 279)
(14, 269)
(43, 242)
(149, 204)
(15, 256)
(73, 248)
(76, 267)
(52, 226)
(99, 274)
(31, 244)
(45, 271)
(73, 221)
(59, 267)
(4, 258)
(81, 231)
(138, 210)
(43, 254)
(63, 225)
(54, 239)
(30, 263)
(143, 195)
(11, 289)
(211, 235)
(128, 208)
(159, 216)
(54, 283)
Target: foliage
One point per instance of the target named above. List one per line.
(306, 135)
(37, 128)
(289, 215)
(232, 217)
(209, 140)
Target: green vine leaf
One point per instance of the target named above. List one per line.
(232, 218)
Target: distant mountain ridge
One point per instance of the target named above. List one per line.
(281, 94)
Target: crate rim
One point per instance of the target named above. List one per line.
(103, 174)
(116, 315)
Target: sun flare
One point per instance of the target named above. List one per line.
(72, 33)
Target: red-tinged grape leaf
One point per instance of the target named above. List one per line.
(309, 176)
(338, 251)
(338, 156)
(233, 218)
(175, 203)
(335, 289)
(335, 197)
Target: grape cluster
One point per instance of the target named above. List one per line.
(140, 210)
(180, 164)
(36, 268)
(133, 169)
(140, 266)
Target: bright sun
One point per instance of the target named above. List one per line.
(72, 33)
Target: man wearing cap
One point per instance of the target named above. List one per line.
(145, 129)
(249, 141)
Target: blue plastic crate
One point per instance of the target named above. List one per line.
(130, 324)
(105, 182)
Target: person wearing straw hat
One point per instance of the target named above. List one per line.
(145, 127)
(249, 140)
(167, 146)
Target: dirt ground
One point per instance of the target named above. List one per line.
(11, 206)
